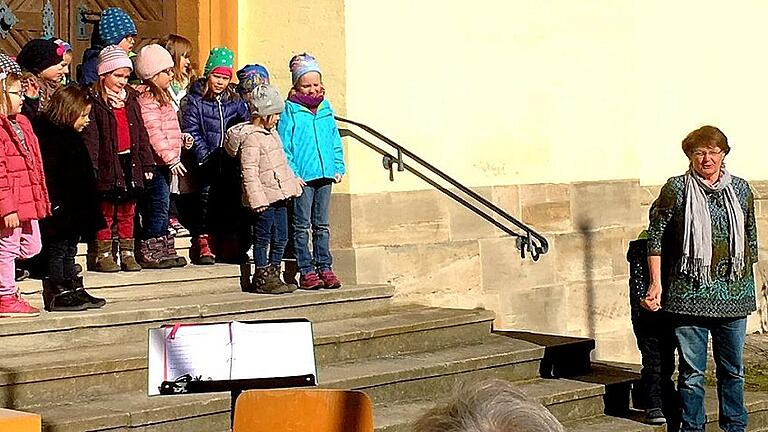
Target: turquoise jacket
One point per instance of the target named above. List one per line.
(311, 141)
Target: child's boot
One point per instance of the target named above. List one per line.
(60, 296)
(152, 254)
(265, 283)
(90, 301)
(104, 261)
(274, 274)
(170, 253)
(127, 259)
(200, 253)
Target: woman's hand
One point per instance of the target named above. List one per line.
(11, 220)
(652, 300)
(178, 169)
(337, 178)
(259, 209)
(302, 183)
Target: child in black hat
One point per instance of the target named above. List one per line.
(46, 63)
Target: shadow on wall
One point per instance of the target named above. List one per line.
(585, 228)
(762, 304)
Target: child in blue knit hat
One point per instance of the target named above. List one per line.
(313, 147)
(115, 28)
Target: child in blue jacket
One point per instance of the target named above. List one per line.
(210, 108)
(313, 147)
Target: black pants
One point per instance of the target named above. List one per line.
(656, 341)
(60, 255)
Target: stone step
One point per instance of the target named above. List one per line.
(610, 424)
(568, 400)
(127, 321)
(386, 379)
(39, 378)
(149, 284)
(564, 356)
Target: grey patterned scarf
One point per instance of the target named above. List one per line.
(697, 238)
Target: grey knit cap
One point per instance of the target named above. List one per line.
(264, 100)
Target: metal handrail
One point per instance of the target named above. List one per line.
(530, 240)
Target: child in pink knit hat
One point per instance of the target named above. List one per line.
(121, 155)
(154, 66)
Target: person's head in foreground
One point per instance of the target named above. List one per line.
(488, 406)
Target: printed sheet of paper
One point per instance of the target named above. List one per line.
(199, 350)
(268, 350)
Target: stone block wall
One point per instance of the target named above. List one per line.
(436, 252)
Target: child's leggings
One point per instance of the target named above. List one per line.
(22, 242)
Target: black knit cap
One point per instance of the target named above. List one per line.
(38, 55)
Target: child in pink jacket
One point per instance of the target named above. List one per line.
(154, 65)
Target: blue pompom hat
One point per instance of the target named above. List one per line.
(115, 25)
(251, 76)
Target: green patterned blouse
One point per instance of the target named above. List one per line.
(682, 294)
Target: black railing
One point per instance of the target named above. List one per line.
(527, 241)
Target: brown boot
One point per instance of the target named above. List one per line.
(266, 281)
(171, 254)
(127, 259)
(104, 261)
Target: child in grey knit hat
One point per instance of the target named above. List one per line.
(269, 184)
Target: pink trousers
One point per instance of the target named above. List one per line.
(22, 242)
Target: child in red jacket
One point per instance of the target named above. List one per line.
(23, 195)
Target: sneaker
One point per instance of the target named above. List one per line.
(329, 279)
(13, 306)
(21, 274)
(310, 281)
(655, 416)
(177, 227)
(249, 254)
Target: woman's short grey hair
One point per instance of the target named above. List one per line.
(489, 406)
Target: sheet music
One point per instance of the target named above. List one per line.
(267, 350)
(199, 350)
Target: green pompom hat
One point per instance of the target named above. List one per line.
(220, 57)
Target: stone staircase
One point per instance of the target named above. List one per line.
(86, 371)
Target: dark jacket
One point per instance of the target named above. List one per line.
(207, 120)
(86, 72)
(101, 140)
(70, 180)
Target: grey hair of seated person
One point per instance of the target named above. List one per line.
(489, 406)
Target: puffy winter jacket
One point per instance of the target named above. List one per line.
(267, 178)
(100, 138)
(70, 180)
(207, 120)
(311, 141)
(162, 126)
(87, 72)
(22, 181)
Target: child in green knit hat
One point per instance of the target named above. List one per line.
(212, 106)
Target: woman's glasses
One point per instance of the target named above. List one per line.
(711, 153)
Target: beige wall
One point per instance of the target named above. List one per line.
(516, 92)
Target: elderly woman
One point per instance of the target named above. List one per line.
(702, 245)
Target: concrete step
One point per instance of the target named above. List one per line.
(564, 356)
(150, 283)
(604, 423)
(40, 378)
(568, 400)
(126, 321)
(391, 379)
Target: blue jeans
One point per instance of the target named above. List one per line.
(313, 206)
(728, 336)
(153, 205)
(270, 234)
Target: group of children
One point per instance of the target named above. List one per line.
(89, 161)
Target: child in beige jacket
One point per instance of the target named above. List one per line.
(268, 184)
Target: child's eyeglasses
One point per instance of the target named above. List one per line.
(17, 93)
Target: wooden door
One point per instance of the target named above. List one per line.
(29, 14)
(154, 19)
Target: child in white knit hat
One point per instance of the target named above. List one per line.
(269, 184)
(119, 147)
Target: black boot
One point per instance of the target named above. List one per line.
(90, 301)
(60, 296)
